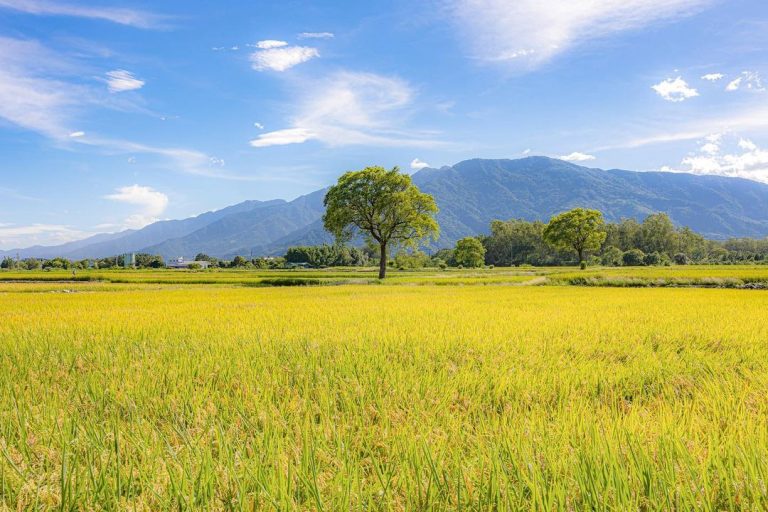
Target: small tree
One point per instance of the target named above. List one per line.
(384, 206)
(579, 230)
(469, 252)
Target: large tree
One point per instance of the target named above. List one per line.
(580, 230)
(384, 206)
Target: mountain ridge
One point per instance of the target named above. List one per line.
(469, 194)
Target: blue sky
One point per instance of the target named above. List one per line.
(114, 115)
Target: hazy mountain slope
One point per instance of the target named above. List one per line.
(239, 233)
(42, 251)
(100, 246)
(474, 192)
(470, 195)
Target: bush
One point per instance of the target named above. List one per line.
(681, 258)
(633, 258)
(583, 265)
(611, 257)
(652, 258)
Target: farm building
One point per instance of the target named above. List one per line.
(182, 263)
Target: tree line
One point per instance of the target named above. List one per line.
(387, 211)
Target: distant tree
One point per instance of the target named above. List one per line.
(8, 263)
(412, 259)
(31, 264)
(239, 261)
(658, 234)
(144, 260)
(384, 206)
(57, 263)
(681, 258)
(652, 258)
(213, 262)
(611, 257)
(579, 230)
(469, 252)
(516, 242)
(633, 258)
(445, 255)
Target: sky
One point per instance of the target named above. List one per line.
(114, 115)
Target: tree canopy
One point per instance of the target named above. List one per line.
(382, 205)
(469, 252)
(580, 230)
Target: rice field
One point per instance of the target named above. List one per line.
(159, 396)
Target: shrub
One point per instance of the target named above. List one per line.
(652, 258)
(633, 258)
(681, 258)
(611, 257)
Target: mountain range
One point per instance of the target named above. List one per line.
(469, 194)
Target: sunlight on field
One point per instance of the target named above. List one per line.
(385, 398)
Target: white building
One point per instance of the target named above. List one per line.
(182, 263)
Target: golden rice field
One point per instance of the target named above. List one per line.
(358, 397)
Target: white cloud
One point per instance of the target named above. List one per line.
(76, 135)
(713, 77)
(526, 152)
(531, 32)
(351, 108)
(118, 15)
(259, 126)
(747, 145)
(14, 236)
(734, 85)
(29, 97)
(270, 43)
(216, 162)
(282, 59)
(417, 164)
(283, 137)
(577, 157)
(316, 35)
(748, 161)
(121, 80)
(675, 89)
(749, 80)
(151, 202)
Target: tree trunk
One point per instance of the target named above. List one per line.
(581, 256)
(383, 261)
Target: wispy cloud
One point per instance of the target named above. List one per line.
(531, 32)
(29, 97)
(283, 137)
(13, 236)
(122, 16)
(678, 130)
(352, 108)
(675, 90)
(151, 203)
(748, 80)
(269, 43)
(121, 80)
(316, 35)
(713, 77)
